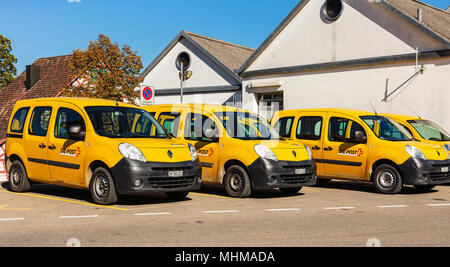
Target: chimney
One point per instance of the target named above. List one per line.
(33, 76)
(419, 14)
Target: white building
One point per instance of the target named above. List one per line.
(213, 64)
(348, 54)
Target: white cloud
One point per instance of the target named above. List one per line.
(74, 1)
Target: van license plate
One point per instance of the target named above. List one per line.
(175, 173)
(300, 171)
(445, 169)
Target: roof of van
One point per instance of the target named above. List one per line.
(353, 112)
(401, 117)
(79, 101)
(210, 108)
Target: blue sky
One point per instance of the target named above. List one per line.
(44, 28)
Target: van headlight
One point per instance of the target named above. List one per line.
(131, 152)
(193, 152)
(415, 152)
(447, 148)
(265, 152)
(309, 152)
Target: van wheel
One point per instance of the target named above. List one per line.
(18, 178)
(291, 190)
(237, 182)
(387, 180)
(102, 187)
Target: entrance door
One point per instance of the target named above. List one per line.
(206, 147)
(343, 156)
(66, 154)
(269, 103)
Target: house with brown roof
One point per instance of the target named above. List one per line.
(393, 55)
(46, 77)
(213, 64)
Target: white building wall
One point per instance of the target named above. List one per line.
(206, 73)
(428, 94)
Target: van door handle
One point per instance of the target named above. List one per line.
(42, 146)
(328, 149)
(53, 147)
(315, 148)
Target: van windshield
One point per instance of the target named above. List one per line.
(247, 126)
(387, 129)
(123, 122)
(430, 130)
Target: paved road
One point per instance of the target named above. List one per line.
(340, 214)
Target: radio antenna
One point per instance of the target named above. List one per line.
(373, 108)
(408, 107)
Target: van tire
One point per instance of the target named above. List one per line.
(18, 178)
(237, 182)
(102, 188)
(387, 180)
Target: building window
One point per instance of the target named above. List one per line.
(270, 103)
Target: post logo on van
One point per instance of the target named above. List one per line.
(71, 152)
(351, 152)
(205, 152)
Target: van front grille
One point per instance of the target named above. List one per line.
(170, 183)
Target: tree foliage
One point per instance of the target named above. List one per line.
(106, 71)
(7, 61)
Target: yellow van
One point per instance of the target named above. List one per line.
(108, 147)
(423, 130)
(358, 145)
(238, 149)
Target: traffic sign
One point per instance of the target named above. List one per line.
(147, 95)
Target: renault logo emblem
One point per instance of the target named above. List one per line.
(293, 153)
(439, 154)
(170, 154)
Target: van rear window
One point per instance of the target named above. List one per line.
(18, 120)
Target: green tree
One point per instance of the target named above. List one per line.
(105, 71)
(7, 61)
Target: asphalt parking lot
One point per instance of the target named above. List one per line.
(340, 214)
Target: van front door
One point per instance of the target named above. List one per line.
(66, 153)
(343, 155)
(206, 146)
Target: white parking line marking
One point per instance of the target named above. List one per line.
(392, 206)
(152, 214)
(220, 211)
(12, 219)
(78, 217)
(438, 205)
(288, 209)
(339, 208)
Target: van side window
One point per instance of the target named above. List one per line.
(337, 129)
(40, 119)
(284, 126)
(309, 128)
(194, 126)
(170, 121)
(18, 120)
(64, 119)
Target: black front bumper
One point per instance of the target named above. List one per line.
(155, 176)
(266, 174)
(425, 172)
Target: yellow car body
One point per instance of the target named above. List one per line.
(430, 132)
(124, 141)
(353, 145)
(292, 168)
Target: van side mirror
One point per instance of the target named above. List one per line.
(360, 137)
(76, 131)
(211, 134)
